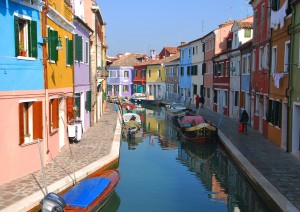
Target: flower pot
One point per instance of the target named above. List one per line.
(23, 53)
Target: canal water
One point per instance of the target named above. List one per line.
(162, 172)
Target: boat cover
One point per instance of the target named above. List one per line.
(85, 192)
(188, 121)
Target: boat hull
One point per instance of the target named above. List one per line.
(114, 177)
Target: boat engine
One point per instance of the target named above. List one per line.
(53, 203)
(131, 132)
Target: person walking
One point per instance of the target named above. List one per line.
(197, 99)
(244, 121)
(202, 100)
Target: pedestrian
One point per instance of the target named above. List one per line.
(202, 100)
(244, 121)
(197, 99)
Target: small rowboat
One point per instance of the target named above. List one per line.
(89, 194)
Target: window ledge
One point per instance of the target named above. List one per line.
(25, 58)
(30, 143)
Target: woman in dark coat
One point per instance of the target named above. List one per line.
(244, 120)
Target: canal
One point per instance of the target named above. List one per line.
(162, 172)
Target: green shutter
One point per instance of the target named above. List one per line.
(76, 47)
(16, 24)
(67, 51)
(70, 52)
(54, 45)
(33, 40)
(80, 48)
(77, 104)
(203, 47)
(88, 106)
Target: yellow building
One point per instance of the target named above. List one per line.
(57, 30)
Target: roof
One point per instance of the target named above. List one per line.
(244, 25)
(129, 59)
(170, 49)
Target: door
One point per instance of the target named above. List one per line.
(284, 127)
(261, 114)
(296, 131)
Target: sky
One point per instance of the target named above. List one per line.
(139, 26)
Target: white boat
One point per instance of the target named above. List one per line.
(127, 116)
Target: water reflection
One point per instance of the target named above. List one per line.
(112, 204)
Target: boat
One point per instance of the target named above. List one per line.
(173, 115)
(137, 97)
(182, 104)
(150, 102)
(196, 128)
(127, 116)
(89, 194)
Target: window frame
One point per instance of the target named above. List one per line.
(287, 56)
(274, 59)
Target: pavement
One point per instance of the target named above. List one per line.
(98, 147)
(274, 173)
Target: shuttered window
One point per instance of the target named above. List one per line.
(69, 52)
(52, 44)
(70, 112)
(78, 48)
(88, 106)
(30, 122)
(25, 37)
(54, 116)
(77, 104)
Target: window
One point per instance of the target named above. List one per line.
(159, 73)
(262, 13)
(260, 58)
(189, 50)
(87, 53)
(236, 40)
(189, 70)
(275, 5)
(196, 49)
(149, 73)
(248, 64)
(267, 56)
(193, 50)
(52, 44)
(247, 33)
(195, 89)
(236, 98)
(25, 37)
(88, 105)
(208, 92)
(255, 22)
(69, 52)
(257, 104)
(215, 96)
(225, 98)
(78, 48)
(244, 65)
(287, 56)
(135, 73)
(227, 68)
(253, 60)
(30, 122)
(116, 87)
(113, 74)
(143, 73)
(53, 113)
(181, 71)
(125, 88)
(274, 59)
(203, 47)
(182, 54)
(126, 74)
(274, 115)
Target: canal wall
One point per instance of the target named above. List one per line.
(270, 195)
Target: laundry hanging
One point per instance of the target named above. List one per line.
(277, 17)
(277, 78)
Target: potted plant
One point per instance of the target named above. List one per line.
(21, 49)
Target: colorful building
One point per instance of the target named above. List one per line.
(294, 86)
(82, 88)
(139, 77)
(185, 79)
(279, 73)
(172, 78)
(22, 93)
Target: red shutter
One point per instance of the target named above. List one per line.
(21, 124)
(70, 112)
(37, 120)
(55, 113)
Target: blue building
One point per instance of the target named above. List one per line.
(22, 93)
(185, 71)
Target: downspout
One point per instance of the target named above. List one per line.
(90, 72)
(45, 10)
(96, 54)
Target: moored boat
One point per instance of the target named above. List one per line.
(137, 97)
(150, 102)
(88, 195)
(196, 128)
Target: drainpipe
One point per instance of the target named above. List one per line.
(45, 10)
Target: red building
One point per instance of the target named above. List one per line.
(260, 65)
(139, 78)
(168, 51)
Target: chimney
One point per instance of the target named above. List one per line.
(182, 43)
(153, 54)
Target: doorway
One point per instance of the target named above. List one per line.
(296, 131)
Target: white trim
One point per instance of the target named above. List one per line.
(26, 17)
(27, 100)
(286, 58)
(60, 20)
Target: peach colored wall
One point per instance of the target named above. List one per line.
(220, 37)
(274, 134)
(16, 161)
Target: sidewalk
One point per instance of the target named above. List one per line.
(98, 147)
(273, 172)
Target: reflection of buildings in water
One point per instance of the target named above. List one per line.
(217, 191)
(133, 143)
(241, 196)
(112, 204)
(167, 142)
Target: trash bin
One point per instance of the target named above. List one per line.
(79, 129)
(75, 131)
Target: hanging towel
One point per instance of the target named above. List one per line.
(276, 78)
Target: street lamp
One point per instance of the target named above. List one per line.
(59, 44)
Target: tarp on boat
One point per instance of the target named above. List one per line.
(191, 121)
(85, 192)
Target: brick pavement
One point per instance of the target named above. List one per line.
(95, 144)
